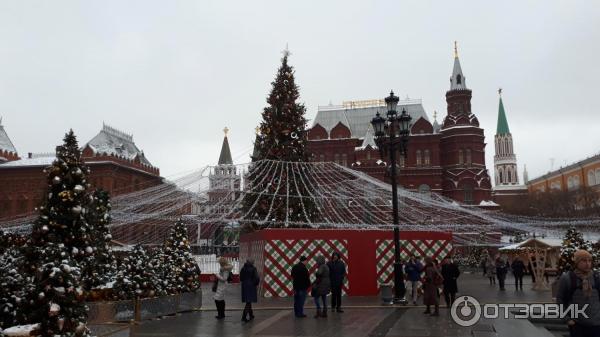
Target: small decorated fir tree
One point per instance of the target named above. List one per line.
(102, 270)
(572, 241)
(12, 287)
(137, 276)
(596, 254)
(182, 272)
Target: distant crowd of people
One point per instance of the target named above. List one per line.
(581, 285)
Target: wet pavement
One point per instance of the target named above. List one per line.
(363, 316)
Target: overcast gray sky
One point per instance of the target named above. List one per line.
(174, 73)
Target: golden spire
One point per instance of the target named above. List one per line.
(455, 49)
(225, 130)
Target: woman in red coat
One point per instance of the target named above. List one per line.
(432, 279)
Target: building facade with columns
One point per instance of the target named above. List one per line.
(572, 177)
(448, 159)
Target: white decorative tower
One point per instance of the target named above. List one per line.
(505, 160)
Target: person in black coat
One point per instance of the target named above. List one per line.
(501, 270)
(518, 269)
(450, 274)
(249, 280)
(337, 272)
(301, 283)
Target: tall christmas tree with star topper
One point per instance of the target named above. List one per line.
(60, 244)
(281, 141)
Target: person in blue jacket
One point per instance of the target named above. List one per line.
(413, 269)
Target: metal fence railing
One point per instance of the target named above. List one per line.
(209, 264)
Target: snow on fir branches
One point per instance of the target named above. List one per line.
(572, 241)
(170, 269)
(102, 268)
(182, 271)
(60, 244)
(137, 276)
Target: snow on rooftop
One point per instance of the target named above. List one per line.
(488, 203)
(39, 161)
(5, 142)
(118, 143)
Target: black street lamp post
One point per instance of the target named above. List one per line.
(386, 132)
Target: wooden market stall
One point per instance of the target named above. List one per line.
(539, 253)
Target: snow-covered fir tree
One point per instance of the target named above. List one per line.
(102, 270)
(572, 241)
(59, 242)
(12, 287)
(282, 137)
(182, 272)
(11, 240)
(137, 276)
(596, 254)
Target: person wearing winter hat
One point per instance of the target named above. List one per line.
(581, 286)
(221, 285)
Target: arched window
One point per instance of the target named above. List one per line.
(336, 158)
(598, 176)
(424, 188)
(322, 158)
(460, 157)
(458, 79)
(500, 175)
(368, 155)
(344, 159)
(418, 157)
(427, 158)
(468, 156)
(591, 178)
(576, 182)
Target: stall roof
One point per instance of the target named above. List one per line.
(549, 243)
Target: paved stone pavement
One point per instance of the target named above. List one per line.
(469, 284)
(363, 316)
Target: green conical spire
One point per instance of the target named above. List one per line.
(502, 123)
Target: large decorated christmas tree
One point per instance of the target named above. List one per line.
(281, 137)
(572, 241)
(60, 243)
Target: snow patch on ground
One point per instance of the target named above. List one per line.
(21, 330)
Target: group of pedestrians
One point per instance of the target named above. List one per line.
(497, 269)
(249, 281)
(328, 277)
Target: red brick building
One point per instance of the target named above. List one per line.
(447, 159)
(117, 165)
